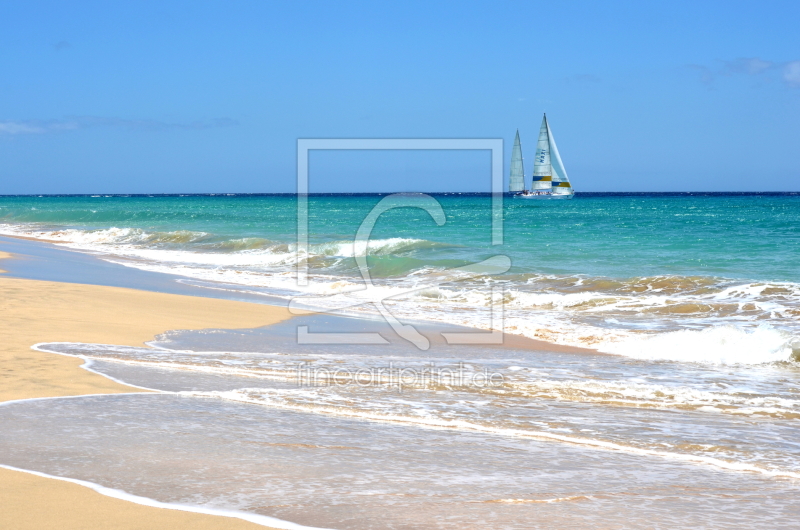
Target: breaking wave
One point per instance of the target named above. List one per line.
(722, 345)
(701, 319)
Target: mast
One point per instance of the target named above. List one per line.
(516, 181)
(561, 184)
(542, 172)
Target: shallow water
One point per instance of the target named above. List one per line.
(350, 474)
(733, 417)
(703, 277)
(693, 424)
(256, 422)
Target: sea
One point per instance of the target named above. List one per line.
(666, 393)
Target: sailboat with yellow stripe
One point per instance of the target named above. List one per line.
(550, 180)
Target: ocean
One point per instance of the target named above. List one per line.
(693, 277)
(688, 405)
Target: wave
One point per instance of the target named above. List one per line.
(666, 317)
(103, 236)
(545, 501)
(394, 245)
(648, 328)
(345, 406)
(114, 493)
(527, 404)
(644, 395)
(723, 345)
(517, 381)
(189, 246)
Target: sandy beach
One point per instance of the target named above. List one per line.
(518, 457)
(37, 311)
(311, 266)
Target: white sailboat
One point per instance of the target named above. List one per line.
(550, 180)
(516, 181)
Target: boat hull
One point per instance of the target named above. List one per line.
(546, 196)
(533, 197)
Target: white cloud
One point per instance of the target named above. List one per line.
(15, 127)
(747, 65)
(37, 126)
(791, 73)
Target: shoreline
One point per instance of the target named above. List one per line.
(36, 311)
(262, 521)
(510, 340)
(33, 311)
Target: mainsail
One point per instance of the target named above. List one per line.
(542, 172)
(516, 181)
(561, 185)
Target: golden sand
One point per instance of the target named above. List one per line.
(36, 311)
(33, 311)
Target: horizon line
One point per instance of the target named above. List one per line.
(380, 193)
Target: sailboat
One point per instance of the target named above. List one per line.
(516, 181)
(550, 179)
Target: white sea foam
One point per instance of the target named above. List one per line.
(263, 520)
(703, 394)
(307, 401)
(523, 406)
(545, 501)
(722, 345)
(129, 242)
(686, 319)
(631, 393)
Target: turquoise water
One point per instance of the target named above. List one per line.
(601, 270)
(693, 421)
(736, 236)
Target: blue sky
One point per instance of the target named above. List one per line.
(146, 97)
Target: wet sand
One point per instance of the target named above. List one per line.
(34, 311)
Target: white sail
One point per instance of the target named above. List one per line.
(542, 172)
(516, 181)
(561, 184)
